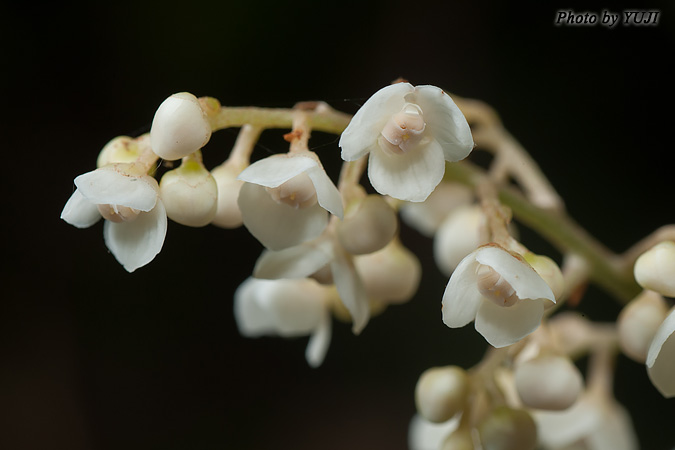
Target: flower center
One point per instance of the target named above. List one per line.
(494, 287)
(117, 213)
(403, 132)
(298, 192)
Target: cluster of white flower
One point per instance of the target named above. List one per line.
(334, 251)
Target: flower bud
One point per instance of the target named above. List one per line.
(637, 324)
(392, 274)
(190, 194)
(228, 214)
(508, 429)
(121, 149)
(458, 236)
(428, 215)
(180, 127)
(549, 271)
(368, 226)
(548, 382)
(655, 269)
(441, 392)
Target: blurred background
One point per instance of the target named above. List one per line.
(92, 357)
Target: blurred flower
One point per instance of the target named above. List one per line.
(661, 357)
(128, 199)
(409, 132)
(655, 269)
(498, 290)
(286, 308)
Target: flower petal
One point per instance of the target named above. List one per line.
(461, 298)
(276, 170)
(661, 357)
(109, 185)
(297, 306)
(368, 122)
(426, 435)
(410, 176)
(457, 236)
(136, 243)
(615, 431)
(252, 319)
(278, 226)
(350, 287)
(79, 211)
(502, 326)
(299, 261)
(319, 341)
(445, 122)
(327, 194)
(523, 279)
(559, 429)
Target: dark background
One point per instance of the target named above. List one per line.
(92, 357)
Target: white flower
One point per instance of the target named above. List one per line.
(286, 308)
(501, 292)
(136, 219)
(661, 357)
(285, 198)
(409, 132)
(426, 435)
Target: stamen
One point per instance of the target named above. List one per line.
(494, 287)
(298, 192)
(403, 132)
(118, 213)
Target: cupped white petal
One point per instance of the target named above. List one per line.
(136, 243)
(327, 194)
(350, 287)
(367, 124)
(111, 185)
(461, 298)
(299, 261)
(275, 170)
(502, 326)
(410, 176)
(523, 279)
(278, 225)
(445, 122)
(79, 211)
(661, 357)
(251, 318)
(319, 341)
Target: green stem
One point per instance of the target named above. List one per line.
(561, 231)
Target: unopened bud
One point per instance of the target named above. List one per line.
(638, 322)
(368, 226)
(458, 235)
(549, 271)
(392, 274)
(189, 194)
(508, 429)
(441, 392)
(655, 269)
(548, 382)
(228, 214)
(180, 127)
(122, 149)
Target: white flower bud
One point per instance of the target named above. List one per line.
(190, 194)
(638, 322)
(367, 226)
(548, 382)
(228, 214)
(458, 235)
(655, 269)
(392, 274)
(549, 271)
(180, 127)
(428, 215)
(441, 392)
(508, 429)
(122, 149)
